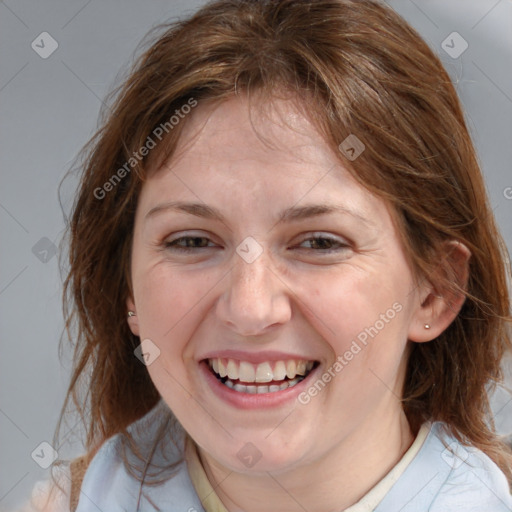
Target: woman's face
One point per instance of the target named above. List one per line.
(266, 260)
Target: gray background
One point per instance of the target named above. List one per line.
(48, 110)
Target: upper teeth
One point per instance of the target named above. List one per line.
(263, 372)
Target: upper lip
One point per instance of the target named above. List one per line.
(256, 357)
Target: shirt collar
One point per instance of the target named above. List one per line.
(211, 502)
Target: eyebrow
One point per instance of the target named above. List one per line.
(292, 214)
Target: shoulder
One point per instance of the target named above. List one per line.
(107, 482)
(446, 475)
(474, 482)
(139, 476)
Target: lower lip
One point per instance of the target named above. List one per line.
(253, 401)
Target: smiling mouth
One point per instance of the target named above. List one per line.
(267, 377)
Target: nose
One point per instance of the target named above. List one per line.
(255, 299)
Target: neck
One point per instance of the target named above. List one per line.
(334, 481)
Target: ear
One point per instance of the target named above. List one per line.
(438, 307)
(133, 321)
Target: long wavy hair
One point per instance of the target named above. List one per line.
(356, 67)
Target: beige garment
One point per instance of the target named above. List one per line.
(211, 502)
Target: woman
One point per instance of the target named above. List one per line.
(288, 284)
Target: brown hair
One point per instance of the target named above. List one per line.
(357, 68)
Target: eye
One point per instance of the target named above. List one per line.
(188, 243)
(325, 244)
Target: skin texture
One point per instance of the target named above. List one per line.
(294, 298)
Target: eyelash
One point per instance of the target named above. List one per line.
(172, 244)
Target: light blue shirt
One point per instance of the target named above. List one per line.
(444, 476)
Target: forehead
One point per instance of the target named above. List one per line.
(256, 128)
(268, 153)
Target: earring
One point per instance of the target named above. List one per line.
(427, 326)
(130, 314)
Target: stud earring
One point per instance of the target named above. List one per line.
(427, 326)
(130, 314)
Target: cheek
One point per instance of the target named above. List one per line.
(163, 298)
(363, 316)
(162, 302)
(168, 305)
(351, 304)
(171, 304)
